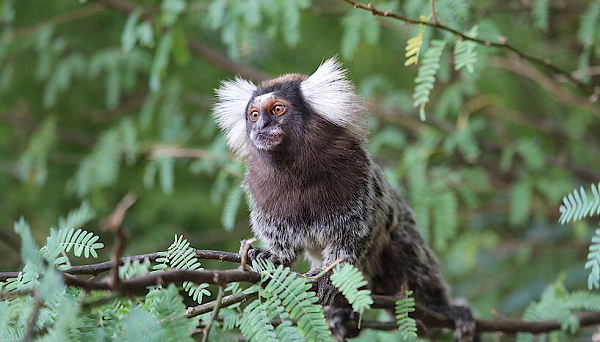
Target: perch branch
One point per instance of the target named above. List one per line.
(139, 284)
(429, 318)
(503, 43)
(95, 269)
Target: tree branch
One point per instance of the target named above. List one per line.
(503, 44)
(139, 284)
(95, 269)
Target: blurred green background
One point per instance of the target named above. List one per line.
(100, 98)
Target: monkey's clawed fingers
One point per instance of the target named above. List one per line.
(259, 253)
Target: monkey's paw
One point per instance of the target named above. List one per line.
(259, 253)
(325, 289)
(464, 323)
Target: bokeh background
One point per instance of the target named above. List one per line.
(102, 97)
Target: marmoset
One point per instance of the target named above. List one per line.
(313, 188)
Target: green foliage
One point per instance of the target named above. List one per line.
(349, 280)
(427, 73)
(357, 26)
(231, 208)
(413, 45)
(520, 201)
(465, 55)
(97, 103)
(589, 23)
(255, 323)
(540, 13)
(289, 291)
(33, 162)
(180, 255)
(557, 303)
(594, 262)
(406, 324)
(577, 206)
(168, 306)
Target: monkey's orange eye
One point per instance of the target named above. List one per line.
(278, 109)
(254, 115)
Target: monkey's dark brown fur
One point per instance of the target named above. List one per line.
(314, 189)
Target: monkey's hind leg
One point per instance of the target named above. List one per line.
(337, 315)
(464, 323)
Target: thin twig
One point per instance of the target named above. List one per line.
(526, 70)
(503, 43)
(329, 268)
(37, 306)
(227, 301)
(113, 223)
(214, 314)
(432, 5)
(246, 245)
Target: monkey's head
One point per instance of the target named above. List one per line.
(279, 114)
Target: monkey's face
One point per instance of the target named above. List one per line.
(286, 116)
(274, 117)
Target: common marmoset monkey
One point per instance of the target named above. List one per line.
(313, 188)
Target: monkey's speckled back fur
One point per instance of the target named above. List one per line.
(321, 193)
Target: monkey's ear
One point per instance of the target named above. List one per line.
(229, 112)
(331, 95)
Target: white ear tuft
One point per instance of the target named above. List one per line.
(230, 112)
(331, 95)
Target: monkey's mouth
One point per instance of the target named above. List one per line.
(267, 139)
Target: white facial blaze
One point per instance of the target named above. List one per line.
(262, 98)
(230, 112)
(331, 95)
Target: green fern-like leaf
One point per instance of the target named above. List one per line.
(140, 325)
(413, 45)
(406, 324)
(426, 75)
(298, 302)
(349, 280)
(32, 164)
(593, 262)
(445, 215)
(181, 256)
(540, 14)
(583, 300)
(255, 324)
(77, 218)
(232, 205)
(167, 306)
(589, 24)
(520, 201)
(465, 55)
(25, 280)
(81, 241)
(30, 252)
(577, 205)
